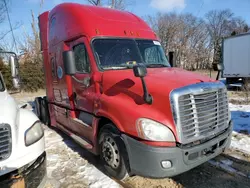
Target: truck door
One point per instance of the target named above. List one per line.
(83, 90)
(58, 86)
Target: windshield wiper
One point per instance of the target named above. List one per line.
(156, 65)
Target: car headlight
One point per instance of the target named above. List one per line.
(154, 131)
(33, 134)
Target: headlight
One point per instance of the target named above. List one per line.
(33, 134)
(154, 131)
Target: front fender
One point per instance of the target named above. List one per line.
(124, 112)
(21, 154)
(115, 120)
(25, 119)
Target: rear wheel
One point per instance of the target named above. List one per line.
(113, 152)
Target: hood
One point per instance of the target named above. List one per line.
(8, 108)
(162, 80)
(176, 77)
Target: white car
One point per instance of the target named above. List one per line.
(22, 146)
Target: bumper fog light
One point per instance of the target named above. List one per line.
(166, 164)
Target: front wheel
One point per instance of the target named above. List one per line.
(113, 152)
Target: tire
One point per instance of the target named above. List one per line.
(113, 154)
(38, 107)
(45, 117)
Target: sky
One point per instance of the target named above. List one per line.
(20, 10)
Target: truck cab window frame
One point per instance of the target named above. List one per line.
(82, 61)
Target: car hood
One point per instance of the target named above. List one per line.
(8, 109)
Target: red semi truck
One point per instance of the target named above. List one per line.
(111, 88)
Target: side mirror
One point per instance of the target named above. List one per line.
(14, 72)
(140, 71)
(14, 66)
(69, 63)
(171, 58)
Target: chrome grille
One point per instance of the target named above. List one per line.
(5, 141)
(200, 111)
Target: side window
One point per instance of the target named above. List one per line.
(152, 55)
(81, 59)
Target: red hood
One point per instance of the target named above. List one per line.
(157, 79)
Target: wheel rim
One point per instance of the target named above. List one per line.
(110, 152)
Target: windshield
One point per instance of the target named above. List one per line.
(1, 83)
(122, 53)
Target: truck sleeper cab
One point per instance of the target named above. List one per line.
(111, 88)
(22, 152)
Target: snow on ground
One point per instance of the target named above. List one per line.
(66, 166)
(241, 128)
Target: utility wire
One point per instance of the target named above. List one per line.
(11, 28)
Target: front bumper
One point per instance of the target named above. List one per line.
(32, 176)
(146, 160)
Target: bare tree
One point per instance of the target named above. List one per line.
(95, 2)
(116, 4)
(30, 45)
(5, 42)
(186, 35)
(239, 25)
(220, 24)
(3, 10)
(196, 42)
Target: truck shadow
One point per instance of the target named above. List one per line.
(204, 176)
(123, 87)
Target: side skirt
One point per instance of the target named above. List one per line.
(81, 141)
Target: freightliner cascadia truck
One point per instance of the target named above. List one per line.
(111, 88)
(22, 152)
